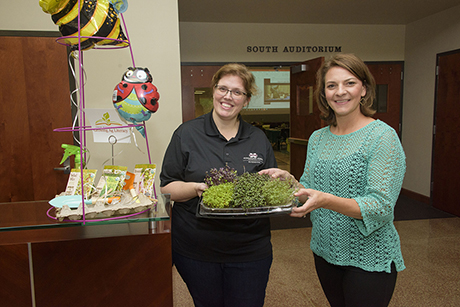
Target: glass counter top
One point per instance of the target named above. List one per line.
(33, 215)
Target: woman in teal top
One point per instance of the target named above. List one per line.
(352, 178)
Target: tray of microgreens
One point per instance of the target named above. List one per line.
(230, 195)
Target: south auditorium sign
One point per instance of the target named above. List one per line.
(294, 49)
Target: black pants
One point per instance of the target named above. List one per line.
(346, 286)
(239, 284)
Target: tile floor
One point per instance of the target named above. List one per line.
(283, 159)
(431, 250)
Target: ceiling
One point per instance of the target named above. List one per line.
(394, 12)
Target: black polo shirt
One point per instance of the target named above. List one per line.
(196, 147)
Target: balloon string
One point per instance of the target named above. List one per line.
(133, 138)
(81, 104)
(129, 40)
(73, 94)
(147, 142)
(135, 141)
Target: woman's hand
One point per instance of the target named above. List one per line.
(314, 200)
(277, 173)
(200, 187)
(183, 191)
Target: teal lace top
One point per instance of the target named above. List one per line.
(368, 166)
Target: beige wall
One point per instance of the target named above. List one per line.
(154, 32)
(223, 42)
(424, 39)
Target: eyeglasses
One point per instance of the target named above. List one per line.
(236, 94)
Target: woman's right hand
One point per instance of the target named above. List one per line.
(183, 191)
(200, 188)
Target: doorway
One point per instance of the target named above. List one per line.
(305, 114)
(268, 110)
(445, 166)
(195, 80)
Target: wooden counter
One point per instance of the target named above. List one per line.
(45, 263)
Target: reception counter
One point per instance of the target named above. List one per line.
(47, 263)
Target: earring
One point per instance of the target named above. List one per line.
(361, 102)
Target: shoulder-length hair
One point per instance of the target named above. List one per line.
(356, 67)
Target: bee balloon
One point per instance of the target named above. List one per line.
(98, 20)
(135, 97)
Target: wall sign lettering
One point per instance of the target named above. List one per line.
(293, 49)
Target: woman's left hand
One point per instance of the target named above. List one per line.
(276, 173)
(315, 200)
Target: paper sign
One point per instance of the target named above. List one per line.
(109, 126)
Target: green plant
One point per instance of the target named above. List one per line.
(278, 192)
(248, 190)
(219, 196)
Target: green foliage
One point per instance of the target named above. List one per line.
(278, 192)
(219, 196)
(248, 190)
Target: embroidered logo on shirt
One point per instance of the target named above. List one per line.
(253, 158)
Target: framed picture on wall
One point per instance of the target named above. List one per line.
(276, 92)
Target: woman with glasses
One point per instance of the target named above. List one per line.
(224, 262)
(352, 178)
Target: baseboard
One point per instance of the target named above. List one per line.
(416, 196)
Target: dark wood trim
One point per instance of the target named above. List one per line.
(298, 141)
(416, 196)
(385, 62)
(30, 33)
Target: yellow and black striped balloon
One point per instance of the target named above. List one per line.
(98, 18)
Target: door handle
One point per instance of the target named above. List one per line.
(65, 169)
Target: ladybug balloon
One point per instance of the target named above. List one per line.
(135, 97)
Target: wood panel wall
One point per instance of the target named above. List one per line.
(34, 100)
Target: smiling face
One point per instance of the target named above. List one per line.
(228, 106)
(343, 92)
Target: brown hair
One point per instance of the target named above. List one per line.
(356, 67)
(239, 70)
